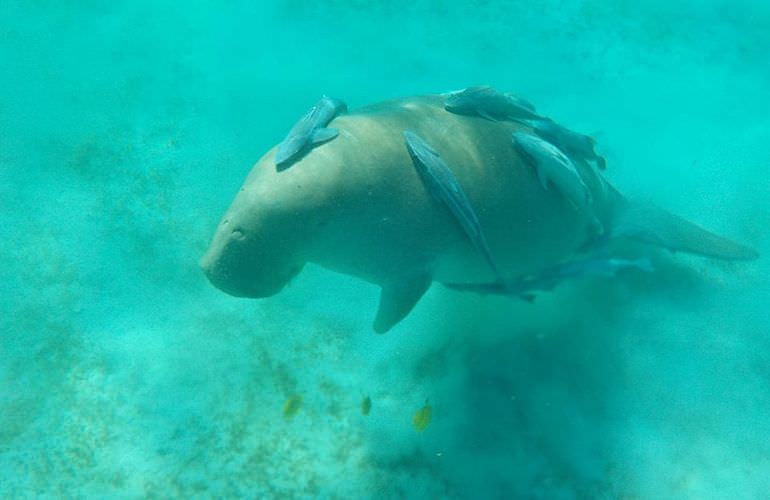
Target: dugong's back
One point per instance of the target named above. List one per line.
(382, 203)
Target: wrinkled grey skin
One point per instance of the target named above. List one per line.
(310, 130)
(358, 206)
(444, 187)
(550, 278)
(574, 144)
(488, 103)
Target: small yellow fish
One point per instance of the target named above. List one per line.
(291, 406)
(366, 406)
(421, 419)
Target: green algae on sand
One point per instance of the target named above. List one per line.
(421, 419)
(292, 405)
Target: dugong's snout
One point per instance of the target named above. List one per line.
(233, 266)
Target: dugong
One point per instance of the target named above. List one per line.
(359, 207)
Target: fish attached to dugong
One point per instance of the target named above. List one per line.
(443, 185)
(489, 103)
(358, 206)
(574, 144)
(554, 168)
(310, 130)
(549, 279)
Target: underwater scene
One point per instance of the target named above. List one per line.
(385, 249)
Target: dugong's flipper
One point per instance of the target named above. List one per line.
(397, 299)
(655, 226)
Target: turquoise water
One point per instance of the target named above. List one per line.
(125, 131)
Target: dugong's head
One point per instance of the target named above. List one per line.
(256, 249)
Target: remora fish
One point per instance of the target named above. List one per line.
(444, 186)
(553, 166)
(310, 130)
(547, 280)
(488, 103)
(573, 144)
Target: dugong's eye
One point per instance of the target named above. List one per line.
(238, 234)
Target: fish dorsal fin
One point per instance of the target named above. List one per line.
(397, 299)
(324, 134)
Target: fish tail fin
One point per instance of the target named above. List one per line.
(655, 226)
(601, 162)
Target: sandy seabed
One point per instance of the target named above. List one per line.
(126, 130)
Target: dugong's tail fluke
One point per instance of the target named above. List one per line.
(655, 226)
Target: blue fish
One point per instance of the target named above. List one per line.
(548, 279)
(488, 103)
(442, 184)
(309, 131)
(574, 144)
(553, 167)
